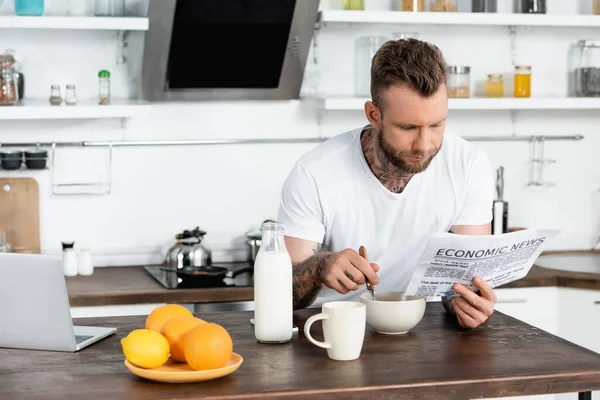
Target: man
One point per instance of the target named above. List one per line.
(388, 186)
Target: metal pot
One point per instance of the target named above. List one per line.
(253, 240)
(188, 251)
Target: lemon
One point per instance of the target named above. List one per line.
(146, 348)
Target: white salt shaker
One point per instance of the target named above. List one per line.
(85, 266)
(69, 259)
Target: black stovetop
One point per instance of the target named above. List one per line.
(173, 280)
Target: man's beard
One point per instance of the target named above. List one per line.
(398, 158)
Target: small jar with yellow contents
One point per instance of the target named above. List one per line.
(522, 81)
(494, 86)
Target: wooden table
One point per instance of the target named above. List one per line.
(436, 360)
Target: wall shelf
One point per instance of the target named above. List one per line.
(42, 110)
(507, 103)
(450, 18)
(88, 23)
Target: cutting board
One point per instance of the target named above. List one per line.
(20, 213)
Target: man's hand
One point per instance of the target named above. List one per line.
(346, 271)
(471, 309)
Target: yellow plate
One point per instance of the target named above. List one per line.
(182, 373)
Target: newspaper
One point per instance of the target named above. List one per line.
(498, 259)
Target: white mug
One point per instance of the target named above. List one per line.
(344, 324)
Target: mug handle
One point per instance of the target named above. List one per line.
(309, 322)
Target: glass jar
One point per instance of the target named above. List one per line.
(354, 4)
(55, 97)
(459, 81)
(484, 6)
(19, 76)
(109, 8)
(533, 6)
(8, 86)
(29, 8)
(494, 86)
(365, 49)
(587, 68)
(104, 87)
(522, 81)
(413, 5)
(70, 96)
(596, 7)
(444, 6)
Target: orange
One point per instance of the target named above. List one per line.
(157, 318)
(208, 346)
(175, 330)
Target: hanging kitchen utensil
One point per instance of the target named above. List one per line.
(500, 207)
(188, 251)
(19, 214)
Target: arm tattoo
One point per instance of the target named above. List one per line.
(306, 281)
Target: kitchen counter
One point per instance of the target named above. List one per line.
(133, 285)
(437, 360)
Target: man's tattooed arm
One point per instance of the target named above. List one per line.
(307, 280)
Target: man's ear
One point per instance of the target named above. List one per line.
(373, 114)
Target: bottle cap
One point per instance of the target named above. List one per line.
(103, 74)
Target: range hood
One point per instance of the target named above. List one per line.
(226, 49)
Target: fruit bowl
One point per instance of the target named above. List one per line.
(173, 372)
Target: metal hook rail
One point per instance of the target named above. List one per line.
(104, 188)
(208, 142)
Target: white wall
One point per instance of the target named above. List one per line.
(227, 190)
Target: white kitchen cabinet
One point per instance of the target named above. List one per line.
(118, 310)
(536, 306)
(579, 317)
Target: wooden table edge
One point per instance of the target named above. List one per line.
(409, 388)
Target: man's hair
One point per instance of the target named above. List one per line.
(417, 65)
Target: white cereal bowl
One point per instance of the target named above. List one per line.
(392, 313)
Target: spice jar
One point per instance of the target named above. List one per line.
(104, 87)
(533, 6)
(55, 97)
(459, 81)
(19, 76)
(587, 68)
(8, 85)
(70, 95)
(596, 7)
(354, 4)
(522, 81)
(484, 6)
(413, 5)
(444, 6)
(494, 86)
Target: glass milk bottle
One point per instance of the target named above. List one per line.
(273, 287)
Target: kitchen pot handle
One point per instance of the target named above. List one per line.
(241, 271)
(309, 322)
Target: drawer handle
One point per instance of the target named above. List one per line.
(597, 302)
(511, 301)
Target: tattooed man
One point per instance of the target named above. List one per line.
(388, 186)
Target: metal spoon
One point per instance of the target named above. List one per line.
(363, 253)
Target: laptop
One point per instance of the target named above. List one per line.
(34, 306)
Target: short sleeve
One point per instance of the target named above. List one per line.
(477, 206)
(300, 209)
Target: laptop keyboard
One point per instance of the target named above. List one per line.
(82, 338)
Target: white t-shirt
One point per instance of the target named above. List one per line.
(332, 197)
